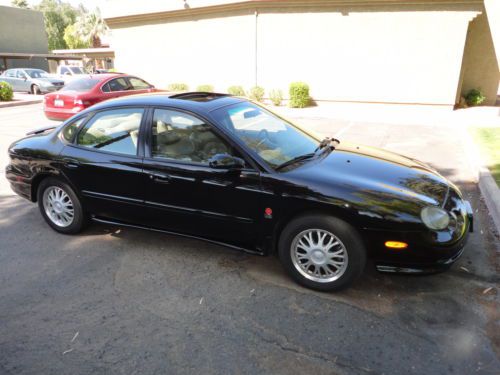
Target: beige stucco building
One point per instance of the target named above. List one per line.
(387, 51)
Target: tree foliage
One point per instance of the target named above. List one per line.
(58, 16)
(20, 4)
(73, 38)
(91, 28)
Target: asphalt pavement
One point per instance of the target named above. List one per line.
(123, 301)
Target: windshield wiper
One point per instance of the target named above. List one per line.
(326, 142)
(295, 160)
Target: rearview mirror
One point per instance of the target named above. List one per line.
(251, 114)
(226, 161)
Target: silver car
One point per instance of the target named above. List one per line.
(36, 81)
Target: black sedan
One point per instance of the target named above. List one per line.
(229, 171)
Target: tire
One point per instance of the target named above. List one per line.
(328, 264)
(35, 90)
(64, 200)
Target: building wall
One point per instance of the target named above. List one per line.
(402, 54)
(23, 31)
(199, 51)
(480, 65)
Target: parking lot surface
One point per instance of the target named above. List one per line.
(123, 301)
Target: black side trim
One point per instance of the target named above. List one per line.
(106, 221)
(110, 197)
(198, 212)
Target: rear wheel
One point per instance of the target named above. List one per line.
(60, 206)
(35, 90)
(322, 252)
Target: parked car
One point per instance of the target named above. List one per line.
(84, 92)
(36, 81)
(69, 72)
(231, 172)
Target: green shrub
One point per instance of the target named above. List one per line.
(299, 95)
(205, 88)
(178, 87)
(6, 93)
(474, 97)
(276, 96)
(256, 93)
(236, 91)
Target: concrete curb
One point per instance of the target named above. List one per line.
(20, 102)
(487, 185)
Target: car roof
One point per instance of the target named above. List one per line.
(200, 102)
(103, 77)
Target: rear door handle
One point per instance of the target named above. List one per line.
(160, 178)
(71, 163)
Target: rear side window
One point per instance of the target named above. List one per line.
(118, 84)
(10, 73)
(80, 85)
(138, 84)
(115, 130)
(69, 131)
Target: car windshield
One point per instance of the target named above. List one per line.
(36, 73)
(271, 137)
(76, 70)
(80, 85)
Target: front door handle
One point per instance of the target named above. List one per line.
(160, 178)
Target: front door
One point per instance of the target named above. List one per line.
(104, 164)
(186, 195)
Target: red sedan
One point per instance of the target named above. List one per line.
(81, 93)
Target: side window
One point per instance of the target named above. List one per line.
(105, 88)
(64, 70)
(10, 73)
(118, 84)
(20, 74)
(69, 131)
(179, 136)
(115, 130)
(138, 84)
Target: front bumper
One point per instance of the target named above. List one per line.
(424, 254)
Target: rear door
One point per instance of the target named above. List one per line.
(104, 162)
(115, 88)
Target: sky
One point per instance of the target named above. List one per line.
(89, 4)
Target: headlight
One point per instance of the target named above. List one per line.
(435, 218)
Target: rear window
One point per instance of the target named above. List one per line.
(80, 85)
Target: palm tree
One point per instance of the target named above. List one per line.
(91, 27)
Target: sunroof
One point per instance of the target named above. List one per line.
(199, 96)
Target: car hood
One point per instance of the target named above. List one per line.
(372, 179)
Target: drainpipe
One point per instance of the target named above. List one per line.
(256, 45)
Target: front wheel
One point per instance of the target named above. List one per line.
(322, 252)
(60, 206)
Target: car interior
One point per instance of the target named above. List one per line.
(180, 136)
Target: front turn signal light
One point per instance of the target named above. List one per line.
(396, 245)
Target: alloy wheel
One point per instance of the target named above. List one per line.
(319, 255)
(58, 206)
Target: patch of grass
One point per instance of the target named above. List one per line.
(489, 142)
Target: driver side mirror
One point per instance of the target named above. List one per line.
(226, 161)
